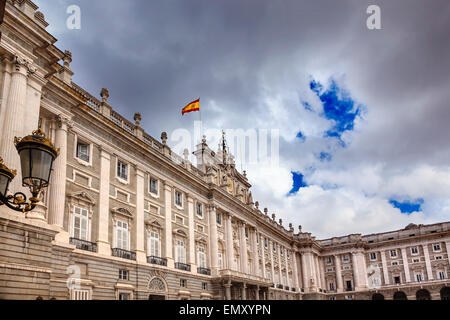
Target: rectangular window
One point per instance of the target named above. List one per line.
(436, 247)
(246, 232)
(266, 243)
(199, 210)
(122, 235)
(155, 244)
(122, 170)
(438, 257)
(393, 253)
(331, 286)
(373, 256)
(83, 151)
(220, 260)
(80, 224)
(180, 251)
(416, 260)
(397, 280)
(395, 263)
(345, 258)
(124, 275)
(219, 219)
(204, 286)
(414, 250)
(281, 251)
(178, 199)
(442, 275)
(328, 260)
(124, 296)
(419, 277)
(201, 257)
(183, 283)
(154, 186)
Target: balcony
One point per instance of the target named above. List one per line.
(157, 260)
(84, 245)
(182, 266)
(287, 288)
(279, 286)
(204, 271)
(293, 289)
(124, 254)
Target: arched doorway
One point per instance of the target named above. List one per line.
(158, 289)
(377, 296)
(423, 295)
(445, 293)
(400, 295)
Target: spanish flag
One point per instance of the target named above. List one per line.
(191, 107)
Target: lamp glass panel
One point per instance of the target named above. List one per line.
(41, 165)
(4, 181)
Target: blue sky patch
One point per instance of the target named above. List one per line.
(301, 136)
(325, 156)
(298, 182)
(338, 106)
(408, 207)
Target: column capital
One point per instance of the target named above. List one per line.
(167, 186)
(63, 122)
(22, 65)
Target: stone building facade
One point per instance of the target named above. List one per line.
(126, 218)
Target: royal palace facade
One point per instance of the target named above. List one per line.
(126, 218)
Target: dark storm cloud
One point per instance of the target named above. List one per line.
(251, 62)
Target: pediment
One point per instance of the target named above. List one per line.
(84, 197)
(153, 223)
(123, 212)
(180, 232)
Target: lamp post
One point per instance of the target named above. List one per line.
(37, 155)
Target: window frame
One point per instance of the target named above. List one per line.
(371, 256)
(434, 247)
(122, 229)
(393, 251)
(90, 149)
(175, 192)
(201, 257)
(150, 179)
(154, 244)
(197, 206)
(88, 225)
(416, 249)
(120, 178)
(124, 275)
(177, 251)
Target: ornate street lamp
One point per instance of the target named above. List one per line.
(37, 155)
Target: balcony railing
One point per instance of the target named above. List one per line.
(157, 260)
(124, 254)
(279, 286)
(84, 245)
(293, 289)
(204, 271)
(182, 266)
(287, 288)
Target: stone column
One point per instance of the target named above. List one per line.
(243, 244)
(103, 244)
(139, 223)
(287, 267)
(305, 273)
(263, 256)
(168, 225)
(322, 273)
(447, 245)
(406, 265)
(14, 114)
(272, 261)
(227, 291)
(244, 291)
(57, 188)
(257, 293)
(385, 268)
(213, 240)
(356, 271)
(295, 269)
(339, 281)
(255, 265)
(427, 262)
(6, 71)
(230, 253)
(191, 260)
(317, 271)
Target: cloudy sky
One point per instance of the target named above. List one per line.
(363, 115)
